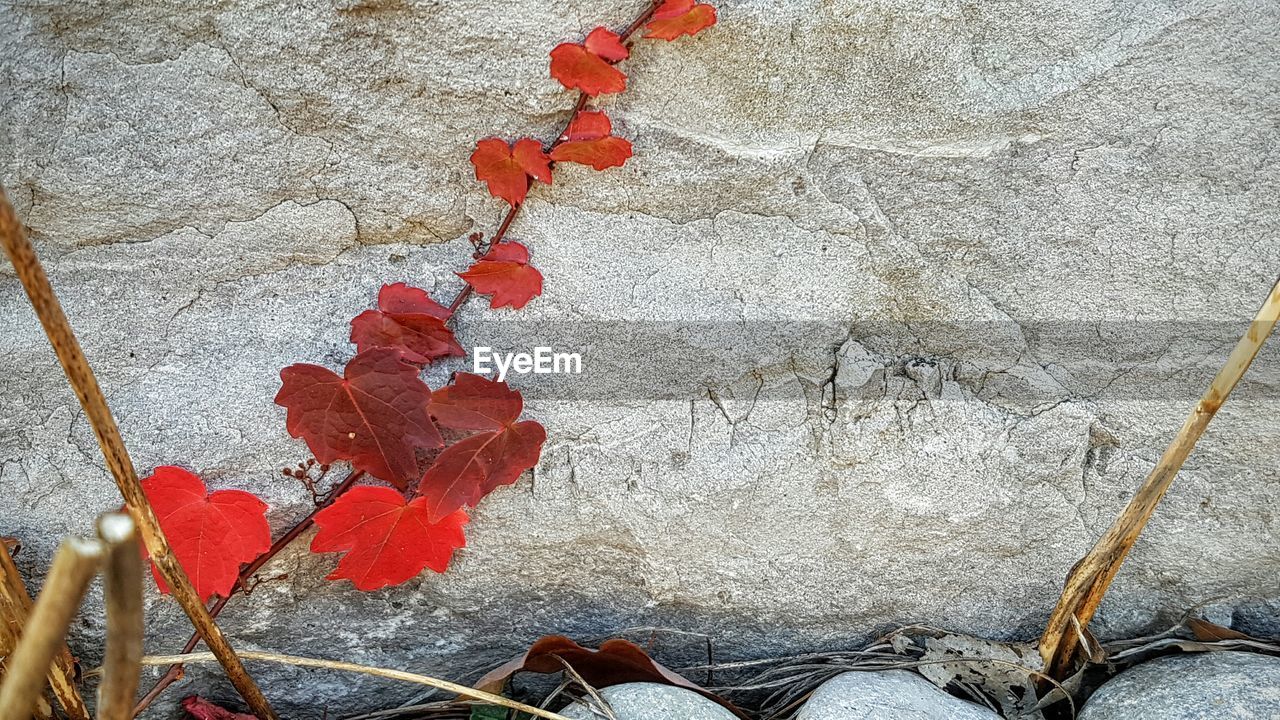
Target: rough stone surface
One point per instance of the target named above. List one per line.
(1205, 686)
(993, 251)
(887, 695)
(651, 701)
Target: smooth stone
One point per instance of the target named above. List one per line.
(1204, 686)
(887, 695)
(652, 701)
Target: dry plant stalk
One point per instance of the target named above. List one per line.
(15, 606)
(295, 660)
(73, 568)
(1090, 578)
(85, 385)
(11, 619)
(122, 665)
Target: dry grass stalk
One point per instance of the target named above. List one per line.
(73, 568)
(455, 688)
(86, 388)
(11, 620)
(123, 594)
(15, 606)
(1090, 578)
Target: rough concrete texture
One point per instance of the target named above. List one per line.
(888, 695)
(651, 701)
(996, 249)
(1205, 686)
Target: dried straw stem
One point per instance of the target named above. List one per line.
(86, 388)
(15, 607)
(74, 566)
(455, 688)
(123, 594)
(1090, 578)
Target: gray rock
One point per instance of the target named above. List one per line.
(887, 695)
(1202, 686)
(989, 253)
(652, 701)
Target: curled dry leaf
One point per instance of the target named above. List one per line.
(1206, 631)
(616, 662)
(211, 534)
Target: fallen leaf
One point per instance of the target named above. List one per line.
(680, 17)
(504, 272)
(1206, 631)
(200, 709)
(589, 141)
(212, 534)
(615, 663)
(375, 415)
(409, 320)
(506, 169)
(386, 540)
(1005, 673)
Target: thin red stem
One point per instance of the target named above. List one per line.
(246, 574)
(583, 98)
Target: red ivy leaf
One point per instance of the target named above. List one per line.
(507, 169)
(504, 272)
(212, 535)
(475, 466)
(375, 416)
(680, 17)
(409, 320)
(588, 67)
(200, 709)
(473, 402)
(387, 541)
(401, 298)
(607, 44)
(589, 141)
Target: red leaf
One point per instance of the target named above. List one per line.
(212, 535)
(589, 125)
(473, 402)
(401, 298)
(408, 320)
(387, 541)
(507, 169)
(474, 466)
(588, 141)
(504, 272)
(200, 709)
(375, 416)
(606, 44)
(680, 17)
(600, 154)
(577, 67)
